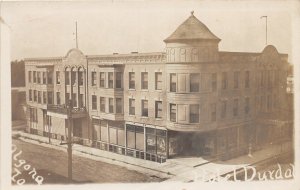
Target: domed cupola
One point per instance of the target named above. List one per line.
(193, 42)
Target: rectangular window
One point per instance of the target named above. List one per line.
(102, 79)
(44, 97)
(131, 80)
(173, 82)
(57, 77)
(235, 107)
(67, 78)
(269, 102)
(173, 112)
(44, 77)
(34, 96)
(119, 105)
(80, 98)
(67, 98)
(144, 80)
(118, 80)
(236, 79)
(50, 77)
(247, 105)
(158, 109)
(194, 113)
(93, 75)
(34, 76)
(194, 82)
(50, 97)
(111, 105)
(80, 78)
(102, 104)
(110, 80)
(214, 81)
(247, 79)
(223, 108)
(29, 76)
(58, 98)
(158, 81)
(30, 95)
(145, 108)
(73, 77)
(38, 77)
(131, 106)
(224, 80)
(261, 78)
(213, 112)
(74, 100)
(94, 102)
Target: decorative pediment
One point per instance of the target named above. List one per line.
(75, 57)
(269, 57)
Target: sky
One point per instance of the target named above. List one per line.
(46, 29)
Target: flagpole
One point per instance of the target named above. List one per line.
(266, 17)
(76, 36)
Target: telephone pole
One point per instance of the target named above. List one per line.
(266, 17)
(69, 139)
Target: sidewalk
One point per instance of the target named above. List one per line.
(177, 169)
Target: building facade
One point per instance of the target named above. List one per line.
(191, 99)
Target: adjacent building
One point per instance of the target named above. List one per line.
(191, 99)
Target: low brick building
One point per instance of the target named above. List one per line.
(191, 99)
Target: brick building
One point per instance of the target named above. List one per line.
(191, 99)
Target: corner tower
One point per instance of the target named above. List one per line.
(192, 41)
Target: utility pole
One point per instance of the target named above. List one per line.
(69, 140)
(266, 17)
(76, 36)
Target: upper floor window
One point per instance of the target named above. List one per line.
(34, 96)
(144, 80)
(34, 76)
(235, 107)
(158, 81)
(119, 105)
(131, 80)
(44, 98)
(29, 76)
(44, 78)
(81, 101)
(158, 109)
(110, 80)
(194, 113)
(236, 79)
(93, 78)
(213, 112)
(67, 78)
(173, 112)
(50, 97)
(247, 105)
(74, 100)
(173, 82)
(194, 82)
(73, 77)
(38, 77)
(145, 108)
(94, 102)
(269, 102)
(30, 95)
(50, 77)
(111, 105)
(119, 80)
(67, 98)
(214, 81)
(57, 77)
(247, 79)
(80, 78)
(131, 106)
(224, 80)
(102, 79)
(58, 98)
(102, 104)
(223, 108)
